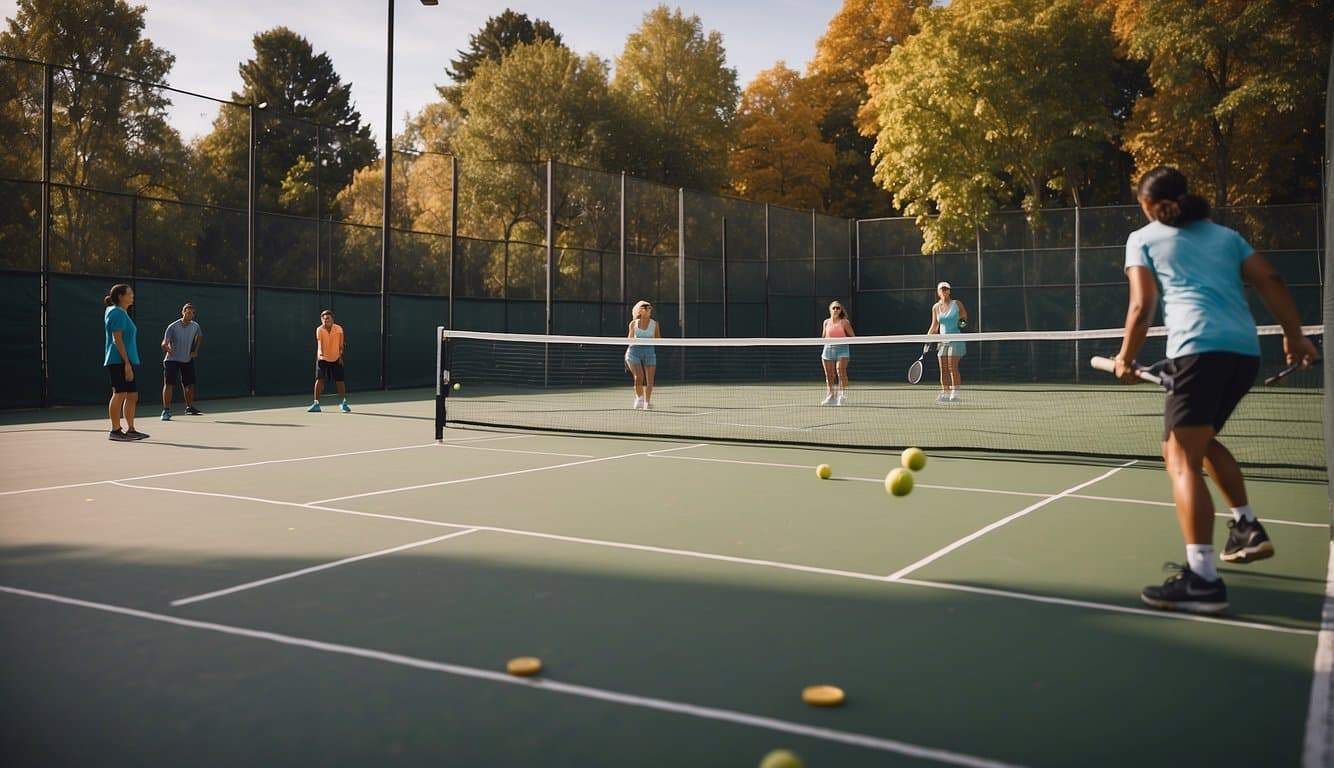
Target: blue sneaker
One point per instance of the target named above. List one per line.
(314, 407)
(166, 414)
(345, 408)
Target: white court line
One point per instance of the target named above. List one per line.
(518, 450)
(254, 464)
(934, 556)
(968, 489)
(539, 683)
(317, 568)
(737, 560)
(456, 481)
(1318, 749)
(1105, 606)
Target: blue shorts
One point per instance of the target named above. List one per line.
(641, 355)
(952, 349)
(833, 352)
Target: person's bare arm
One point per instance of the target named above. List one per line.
(847, 327)
(199, 342)
(1273, 291)
(1139, 313)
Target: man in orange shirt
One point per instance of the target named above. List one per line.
(330, 344)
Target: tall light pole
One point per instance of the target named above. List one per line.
(388, 191)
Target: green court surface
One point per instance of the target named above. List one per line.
(261, 585)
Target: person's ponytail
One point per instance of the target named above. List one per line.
(1166, 192)
(112, 299)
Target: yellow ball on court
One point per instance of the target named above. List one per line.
(824, 471)
(781, 758)
(898, 482)
(457, 386)
(914, 459)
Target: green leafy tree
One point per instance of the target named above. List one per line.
(1237, 92)
(676, 86)
(302, 91)
(497, 37)
(108, 133)
(992, 101)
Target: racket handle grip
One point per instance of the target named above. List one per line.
(1105, 364)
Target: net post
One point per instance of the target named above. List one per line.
(725, 334)
(441, 389)
(681, 270)
(48, 86)
(453, 234)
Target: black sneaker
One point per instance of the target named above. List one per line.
(1186, 591)
(1246, 542)
(116, 435)
(135, 434)
(193, 411)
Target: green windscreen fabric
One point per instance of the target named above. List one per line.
(20, 346)
(285, 340)
(77, 336)
(359, 314)
(221, 367)
(412, 321)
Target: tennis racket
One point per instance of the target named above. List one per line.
(1153, 374)
(1283, 374)
(915, 370)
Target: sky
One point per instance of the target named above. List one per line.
(210, 38)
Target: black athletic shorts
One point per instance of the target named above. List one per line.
(116, 373)
(172, 369)
(331, 371)
(1206, 388)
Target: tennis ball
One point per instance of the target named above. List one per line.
(457, 386)
(824, 471)
(899, 481)
(781, 758)
(914, 459)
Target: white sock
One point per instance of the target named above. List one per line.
(1200, 558)
(1244, 512)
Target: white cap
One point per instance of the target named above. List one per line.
(943, 284)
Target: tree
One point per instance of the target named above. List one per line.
(497, 37)
(992, 101)
(675, 84)
(1237, 90)
(109, 133)
(540, 102)
(780, 156)
(310, 118)
(860, 36)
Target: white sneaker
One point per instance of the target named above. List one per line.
(841, 399)
(639, 403)
(648, 406)
(943, 397)
(828, 399)
(955, 397)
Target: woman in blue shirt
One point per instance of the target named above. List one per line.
(120, 355)
(1214, 358)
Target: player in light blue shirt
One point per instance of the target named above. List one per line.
(120, 354)
(1214, 359)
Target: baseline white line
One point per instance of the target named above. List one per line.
(1109, 607)
(968, 489)
(252, 464)
(539, 683)
(456, 481)
(732, 559)
(317, 568)
(934, 556)
(1317, 749)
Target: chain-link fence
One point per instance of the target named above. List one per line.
(270, 218)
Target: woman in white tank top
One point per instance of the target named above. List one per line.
(642, 359)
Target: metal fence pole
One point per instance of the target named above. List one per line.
(453, 234)
(387, 211)
(134, 241)
(551, 249)
(766, 269)
(250, 251)
(1078, 292)
(854, 232)
(319, 216)
(815, 275)
(621, 276)
(48, 96)
(681, 270)
(977, 232)
(725, 293)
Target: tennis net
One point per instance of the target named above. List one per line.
(1029, 392)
